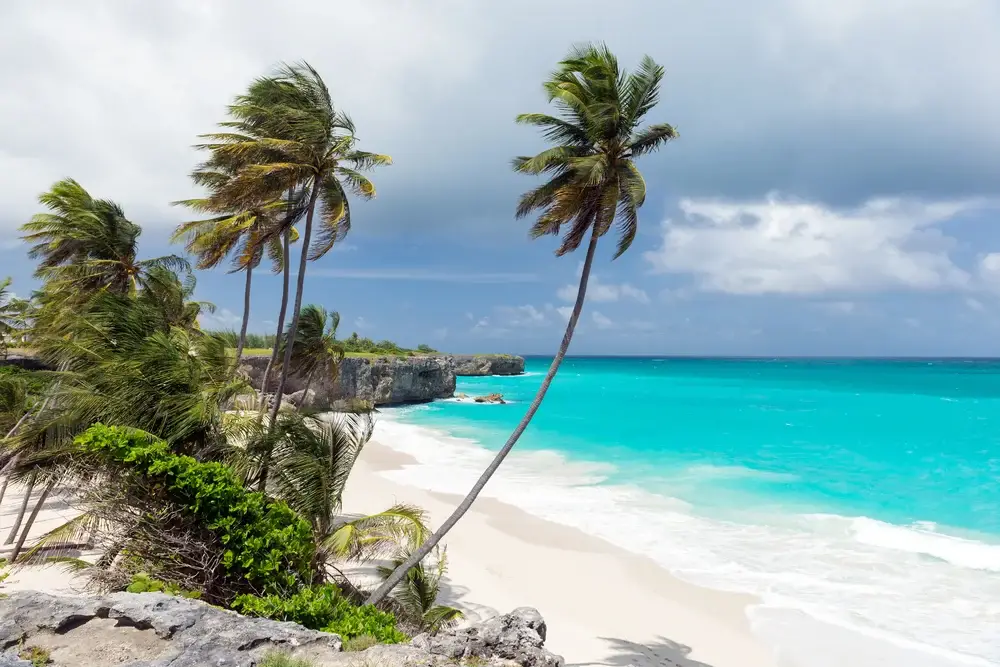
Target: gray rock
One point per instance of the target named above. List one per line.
(487, 364)
(157, 630)
(518, 637)
(149, 630)
(381, 380)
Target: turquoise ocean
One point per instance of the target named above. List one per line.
(858, 499)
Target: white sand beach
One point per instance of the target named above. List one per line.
(602, 605)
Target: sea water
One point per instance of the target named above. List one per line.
(858, 499)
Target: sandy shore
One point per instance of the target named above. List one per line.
(603, 605)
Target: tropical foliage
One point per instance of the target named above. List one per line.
(593, 185)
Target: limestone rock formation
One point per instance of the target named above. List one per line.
(379, 380)
(490, 398)
(157, 630)
(487, 364)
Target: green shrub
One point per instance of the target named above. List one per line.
(282, 660)
(359, 643)
(36, 655)
(324, 608)
(267, 546)
(143, 583)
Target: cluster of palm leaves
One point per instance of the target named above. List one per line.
(280, 170)
(122, 332)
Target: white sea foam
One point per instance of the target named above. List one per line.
(923, 540)
(869, 593)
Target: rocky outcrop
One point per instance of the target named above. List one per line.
(157, 630)
(379, 380)
(490, 398)
(391, 380)
(487, 364)
(147, 629)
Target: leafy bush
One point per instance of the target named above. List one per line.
(266, 547)
(282, 660)
(143, 583)
(359, 643)
(324, 608)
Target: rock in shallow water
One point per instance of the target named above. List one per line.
(157, 630)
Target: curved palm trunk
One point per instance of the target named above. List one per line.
(286, 280)
(300, 282)
(419, 554)
(246, 317)
(31, 520)
(20, 514)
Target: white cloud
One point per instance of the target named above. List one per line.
(780, 246)
(141, 91)
(361, 323)
(564, 312)
(988, 271)
(222, 319)
(522, 316)
(602, 321)
(975, 304)
(604, 292)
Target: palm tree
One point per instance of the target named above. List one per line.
(310, 460)
(593, 182)
(417, 594)
(241, 227)
(13, 313)
(85, 245)
(315, 347)
(288, 135)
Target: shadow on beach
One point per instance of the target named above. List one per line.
(661, 653)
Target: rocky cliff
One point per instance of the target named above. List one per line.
(487, 364)
(157, 630)
(382, 380)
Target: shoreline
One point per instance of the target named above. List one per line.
(603, 605)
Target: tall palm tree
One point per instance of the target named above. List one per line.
(244, 224)
(86, 245)
(593, 182)
(315, 347)
(288, 134)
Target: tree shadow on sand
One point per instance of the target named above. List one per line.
(661, 653)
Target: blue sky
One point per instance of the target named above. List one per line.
(834, 191)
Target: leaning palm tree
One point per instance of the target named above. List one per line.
(593, 182)
(315, 347)
(288, 135)
(244, 226)
(87, 245)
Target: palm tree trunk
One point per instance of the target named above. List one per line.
(31, 520)
(300, 283)
(3, 489)
(246, 317)
(24, 508)
(305, 392)
(419, 554)
(286, 279)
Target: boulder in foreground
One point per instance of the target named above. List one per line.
(157, 630)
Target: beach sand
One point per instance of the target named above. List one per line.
(602, 605)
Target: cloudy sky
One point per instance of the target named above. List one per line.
(834, 191)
